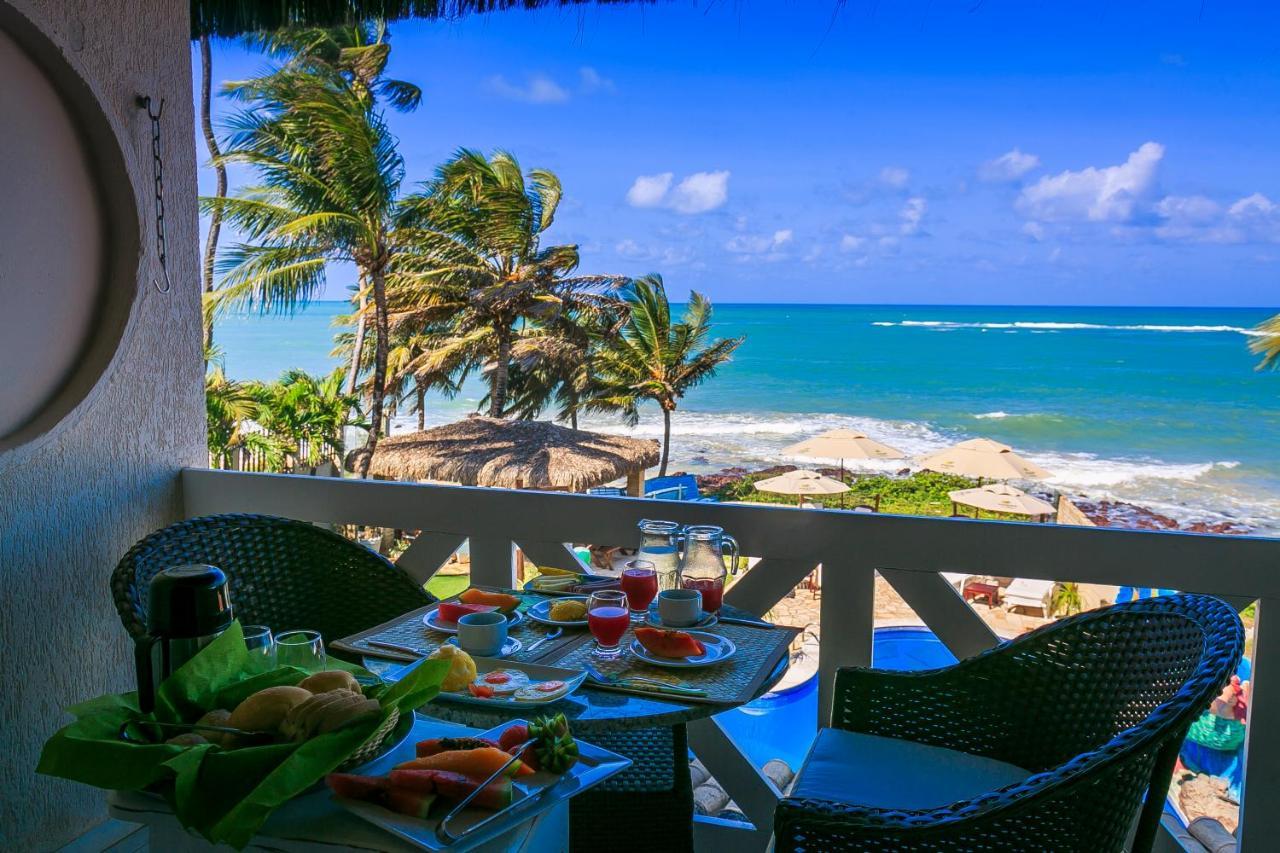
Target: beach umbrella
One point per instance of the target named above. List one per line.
(983, 459)
(802, 483)
(1000, 497)
(843, 444)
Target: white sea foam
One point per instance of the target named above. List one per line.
(992, 416)
(1066, 327)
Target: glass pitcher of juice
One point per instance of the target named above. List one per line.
(660, 545)
(702, 564)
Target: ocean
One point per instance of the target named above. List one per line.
(1157, 406)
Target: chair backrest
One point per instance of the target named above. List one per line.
(677, 487)
(283, 573)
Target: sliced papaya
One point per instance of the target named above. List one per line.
(477, 763)
(501, 600)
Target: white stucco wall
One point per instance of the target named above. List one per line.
(73, 500)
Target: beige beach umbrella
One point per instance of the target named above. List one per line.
(802, 483)
(1001, 497)
(983, 459)
(843, 444)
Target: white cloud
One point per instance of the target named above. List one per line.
(537, 89)
(1034, 230)
(894, 176)
(762, 246)
(1109, 194)
(911, 215)
(649, 190)
(1009, 166)
(591, 81)
(667, 256)
(1196, 219)
(696, 193)
(700, 192)
(852, 243)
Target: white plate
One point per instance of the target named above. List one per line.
(536, 672)
(429, 619)
(509, 646)
(717, 649)
(533, 795)
(707, 620)
(540, 612)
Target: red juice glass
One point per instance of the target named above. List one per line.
(608, 619)
(640, 583)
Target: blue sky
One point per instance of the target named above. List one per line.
(918, 152)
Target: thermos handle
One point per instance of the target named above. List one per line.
(146, 673)
(729, 542)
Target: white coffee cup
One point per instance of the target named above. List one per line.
(482, 633)
(679, 607)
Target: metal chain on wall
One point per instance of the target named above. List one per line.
(157, 170)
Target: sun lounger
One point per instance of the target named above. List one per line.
(1032, 594)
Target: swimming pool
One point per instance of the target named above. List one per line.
(783, 724)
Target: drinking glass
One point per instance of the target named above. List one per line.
(262, 648)
(303, 649)
(607, 619)
(640, 583)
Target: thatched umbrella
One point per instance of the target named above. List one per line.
(512, 454)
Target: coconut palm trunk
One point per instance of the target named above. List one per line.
(379, 384)
(666, 440)
(422, 407)
(220, 171)
(501, 372)
(357, 350)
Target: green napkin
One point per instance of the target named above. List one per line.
(224, 794)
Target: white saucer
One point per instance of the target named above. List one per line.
(509, 647)
(652, 617)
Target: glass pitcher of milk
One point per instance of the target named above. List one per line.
(660, 545)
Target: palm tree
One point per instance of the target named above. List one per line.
(312, 412)
(331, 178)
(655, 359)
(220, 171)
(359, 53)
(473, 258)
(407, 379)
(1267, 344)
(229, 405)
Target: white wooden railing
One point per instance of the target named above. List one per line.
(907, 551)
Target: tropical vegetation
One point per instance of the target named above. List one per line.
(1267, 343)
(653, 358)
(455, 279)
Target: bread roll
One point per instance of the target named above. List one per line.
(217, 717)
(325, 712)
(330, 679)
(265, 710)
(187, 739)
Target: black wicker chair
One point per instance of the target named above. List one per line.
(647, 807)
(283, 573)
(1074, 722)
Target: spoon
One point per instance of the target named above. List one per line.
(556, 633)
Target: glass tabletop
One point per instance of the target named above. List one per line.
(588, 708)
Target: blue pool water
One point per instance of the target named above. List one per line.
(782, 724)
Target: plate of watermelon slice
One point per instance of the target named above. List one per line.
(445, 615)
(409, 791)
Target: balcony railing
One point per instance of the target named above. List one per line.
(908, 552)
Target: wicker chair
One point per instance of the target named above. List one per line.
(647, 807)
(1080, 719)
(283, 573)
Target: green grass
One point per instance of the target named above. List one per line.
(447, 586)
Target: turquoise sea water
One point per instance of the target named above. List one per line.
(1160, 406)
